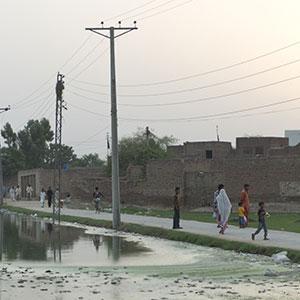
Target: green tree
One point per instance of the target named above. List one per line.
(67, 155)
(33, 142)
(91, 160)
(9, 136)
(142, 147)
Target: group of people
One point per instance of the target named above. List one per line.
(15, 193)
(222, 209)
(52, 198)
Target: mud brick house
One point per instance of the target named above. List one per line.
(268, 164)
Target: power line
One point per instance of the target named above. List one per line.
(88, 98)
(203, 86)
(198, 117)
(85, 57)
(50, 78)
(91, 64)
(204, 98)
(41, 108)
(130, 10)
(32, 102)
(206, 72)
(95, 134)
(89, 111)
(254, 114)
(166, 10)
(147, 10)
(216, 115)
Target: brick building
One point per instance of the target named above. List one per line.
(268, 164)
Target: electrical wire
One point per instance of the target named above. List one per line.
(165, 11)
(42, 107)
(219, 69)
(130, 10)
(50, 78)
(85, 57)
(254, 114)
(218, 114)
(92, 136)
(32, 102)
(147, 10)
(198, 117)
(89, 65)
(204, 86)
(200, 99)
(89, 111)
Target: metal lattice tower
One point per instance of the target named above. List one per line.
(58, 142)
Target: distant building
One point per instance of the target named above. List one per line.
(269, 164)
(294, 137)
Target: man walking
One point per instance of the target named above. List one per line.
(246, 202)
(49, 196)
(176, 217)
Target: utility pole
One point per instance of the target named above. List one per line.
(58, 138)
(114, 119)
(2, 110)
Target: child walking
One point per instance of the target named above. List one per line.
(261, 221)
(242, 217)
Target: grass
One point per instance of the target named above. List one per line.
(196, 239)
(277, 221)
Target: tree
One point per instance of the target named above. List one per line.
(142, 147)
(91, 160)
(33, 142)
(67, 155)
(12, 161)
(9, 136)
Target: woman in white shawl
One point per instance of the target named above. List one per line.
(224, 207)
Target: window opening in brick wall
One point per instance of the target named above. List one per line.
(247, 151)
(209, 154)
(259, 151)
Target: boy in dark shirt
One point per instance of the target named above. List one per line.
(261, 221)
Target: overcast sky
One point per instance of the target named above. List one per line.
(41, 37)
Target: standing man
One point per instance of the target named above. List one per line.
(18, 193)
(49, 196)
(12, 193)
(29, 191)
(176, 217)
(245, 202)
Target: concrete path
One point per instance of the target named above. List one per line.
(281, 239)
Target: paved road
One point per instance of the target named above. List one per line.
(277, 238)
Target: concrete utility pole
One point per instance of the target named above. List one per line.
(58, 138)
(2, 109)
(114, 119)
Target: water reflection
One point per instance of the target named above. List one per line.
(26, 238)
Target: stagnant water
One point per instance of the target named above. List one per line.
(42, 261)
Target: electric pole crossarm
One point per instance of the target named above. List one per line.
(118, 35)
(108, 28)
(94, 30)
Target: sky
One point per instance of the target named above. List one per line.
(175, 40)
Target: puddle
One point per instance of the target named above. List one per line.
(28, 240)
(41, 261)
